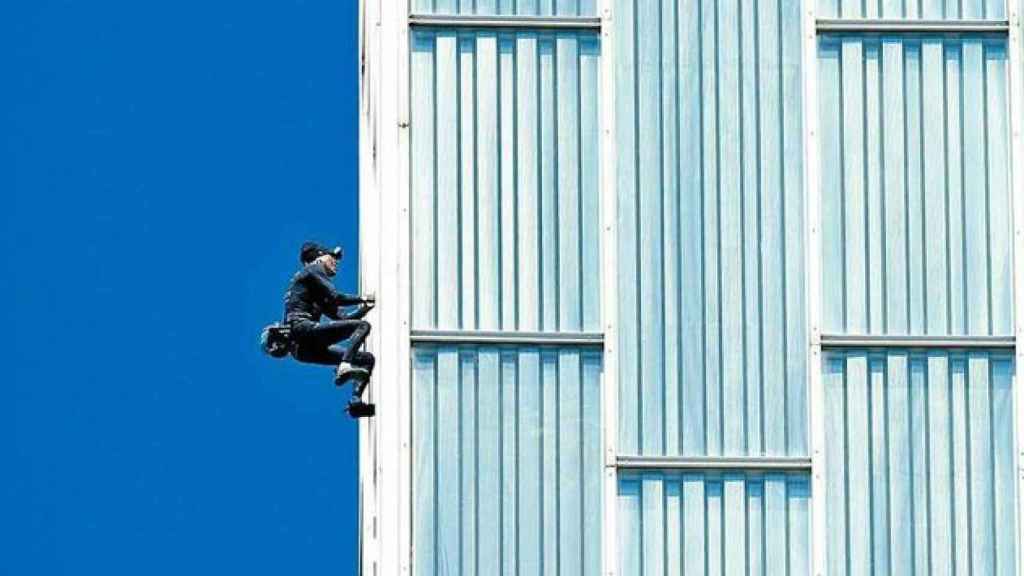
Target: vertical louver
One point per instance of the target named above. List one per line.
(713, 523)
(505, 199)
(507, 466)
(920, 469)
(712, 318)
(915, 186)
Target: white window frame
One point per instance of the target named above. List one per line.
(1016, 79)
(609, 295)
(812, 250)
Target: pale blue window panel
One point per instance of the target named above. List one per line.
(671, 524)
(914, 9)
(506, 7)
(505, 192)
(507, 468)
(919, 462)
(915, 186)
(712, 315)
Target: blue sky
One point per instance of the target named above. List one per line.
(166, 160)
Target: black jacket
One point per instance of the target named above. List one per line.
(312, 294)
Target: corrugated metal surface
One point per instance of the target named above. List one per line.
(914, 9)
(713, 523)
(507, 7)
(505, 192)
(915, 186)
(507, 460)
(920, 463)
(710, 214)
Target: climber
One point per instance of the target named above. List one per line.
(311, 295)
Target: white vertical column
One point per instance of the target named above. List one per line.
(815, 396)
(609, 291)
(369, 258)
(385, 455)
(1017, 195)
(402, 377)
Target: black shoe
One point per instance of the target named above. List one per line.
(360, 409)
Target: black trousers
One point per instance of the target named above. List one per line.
(315, 343)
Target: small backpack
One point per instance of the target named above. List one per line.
(276, 340)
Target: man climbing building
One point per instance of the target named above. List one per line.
(311, 295)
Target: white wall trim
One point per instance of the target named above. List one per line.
(1016, 82)
(609, 294)
(812, 226)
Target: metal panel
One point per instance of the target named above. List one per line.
(868, 341)
(920, 462)
(916, 208)
(666, 463)
(712, 326)
(522, 22)
(529, 338)
(505, 193)
(870, 25)
(913, 9)
(506, 7)
(507, 460)
(713, 523)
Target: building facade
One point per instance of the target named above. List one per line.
(693, 286)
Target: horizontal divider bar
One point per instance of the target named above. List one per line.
(506, 337)
(538, 22)
(825, 25)
(713, 463)
(870, 341)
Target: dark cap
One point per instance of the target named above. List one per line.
(311, 251)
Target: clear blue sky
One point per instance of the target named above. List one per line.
(163, 163)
